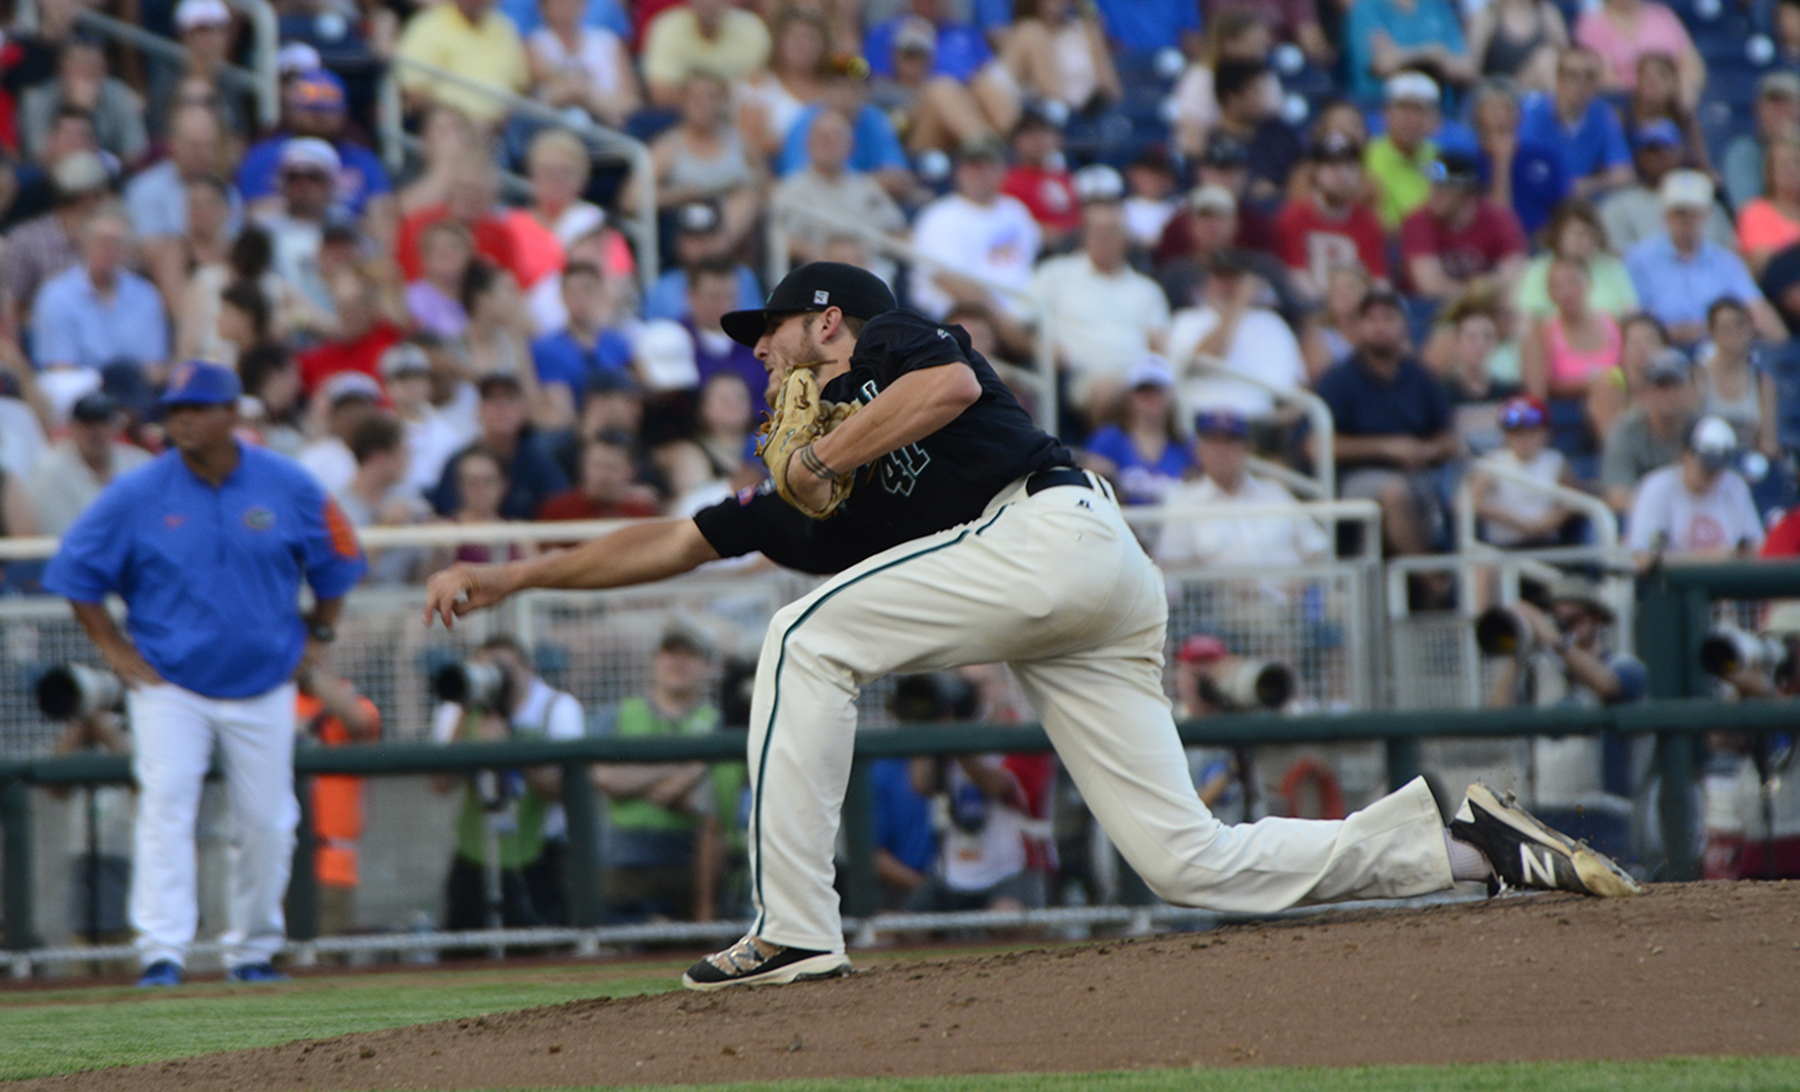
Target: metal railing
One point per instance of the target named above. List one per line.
(1672, 720)
(1043, 379)
(263, 80)
(640, 225)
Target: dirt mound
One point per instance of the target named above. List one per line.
(1687, 970)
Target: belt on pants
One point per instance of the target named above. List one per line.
(1041, 480)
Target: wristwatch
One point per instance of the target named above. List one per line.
(321, 632)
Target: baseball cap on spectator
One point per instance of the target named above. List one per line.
(1155, 156)
(196, 383)
(1714, 441)
(1778, 85)
(297, 57)
(697, 218)
(201, 13)
(404, 359)
(814, 287)
(1660, 133)
(1523, 411)
(1411, 87)
(499, 383)
(680, 633)
(1150, 370)
(915, 35)
(1335, 147)
(1226, 423)
(1224, 152)
(1669, 366)
(985, 149)
(1380, 296)
(1214, 199)
(610, 381)
(1685, 190)
(310, 154)
(1034, 115)
(664, 354)
(1455, 169)
(1202, 648)
(80, 173)
(1783, 620)
(316, 90)
(1575, 588)
(344, 386)
(1098, 184)
(96, 408)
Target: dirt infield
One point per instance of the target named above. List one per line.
(1687, 970)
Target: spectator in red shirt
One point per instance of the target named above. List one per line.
(1226, 164)
(607, 489)
(365, 332)
(1335, 227)
(1458, 235)
(1041, 181)
(471, 198)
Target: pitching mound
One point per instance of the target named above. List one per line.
(1686, 970)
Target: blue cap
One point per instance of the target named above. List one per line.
(1222, 422)
(319, 90)
(1661, 131)
(198, 384)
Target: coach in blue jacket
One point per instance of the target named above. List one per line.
(207, 545)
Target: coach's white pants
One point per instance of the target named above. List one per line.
(173, 735)
(1057, 586)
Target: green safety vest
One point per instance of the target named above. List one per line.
(523, 842)
(637, 718)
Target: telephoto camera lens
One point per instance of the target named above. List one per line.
(73, 691)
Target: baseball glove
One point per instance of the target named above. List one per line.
(797, 417)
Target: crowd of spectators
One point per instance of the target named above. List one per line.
(1461, 208)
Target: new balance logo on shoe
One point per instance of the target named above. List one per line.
(1537, 871)
(1526, 853)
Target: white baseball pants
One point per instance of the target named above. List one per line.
(173, 735)
(1057, 586)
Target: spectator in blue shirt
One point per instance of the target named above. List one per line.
(1582, 126)
(98, 313)
(568, 359)
(208, 545)
(1386, 36)
(313, 105)
(1143, 453)
(874, 146)
(960, 49)
(1516, 169)
(1393, 430)
(531, 474)
(1145, 26)
(1680, 273)
(698, 239)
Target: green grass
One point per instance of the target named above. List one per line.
(68, 1031)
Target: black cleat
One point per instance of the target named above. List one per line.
(756, 962)
(1526, 853)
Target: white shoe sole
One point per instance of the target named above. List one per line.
(825, 965)
(1601, 877)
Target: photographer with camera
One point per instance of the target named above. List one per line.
(1753, 806)
(1556, 655)
(510, 833)
(993, 811)
(88, 702)
(665, 821)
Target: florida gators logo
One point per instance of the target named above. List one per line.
(259, 518)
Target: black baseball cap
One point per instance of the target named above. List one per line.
(814, 287)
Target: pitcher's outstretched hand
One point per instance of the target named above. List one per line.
(454, 592)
